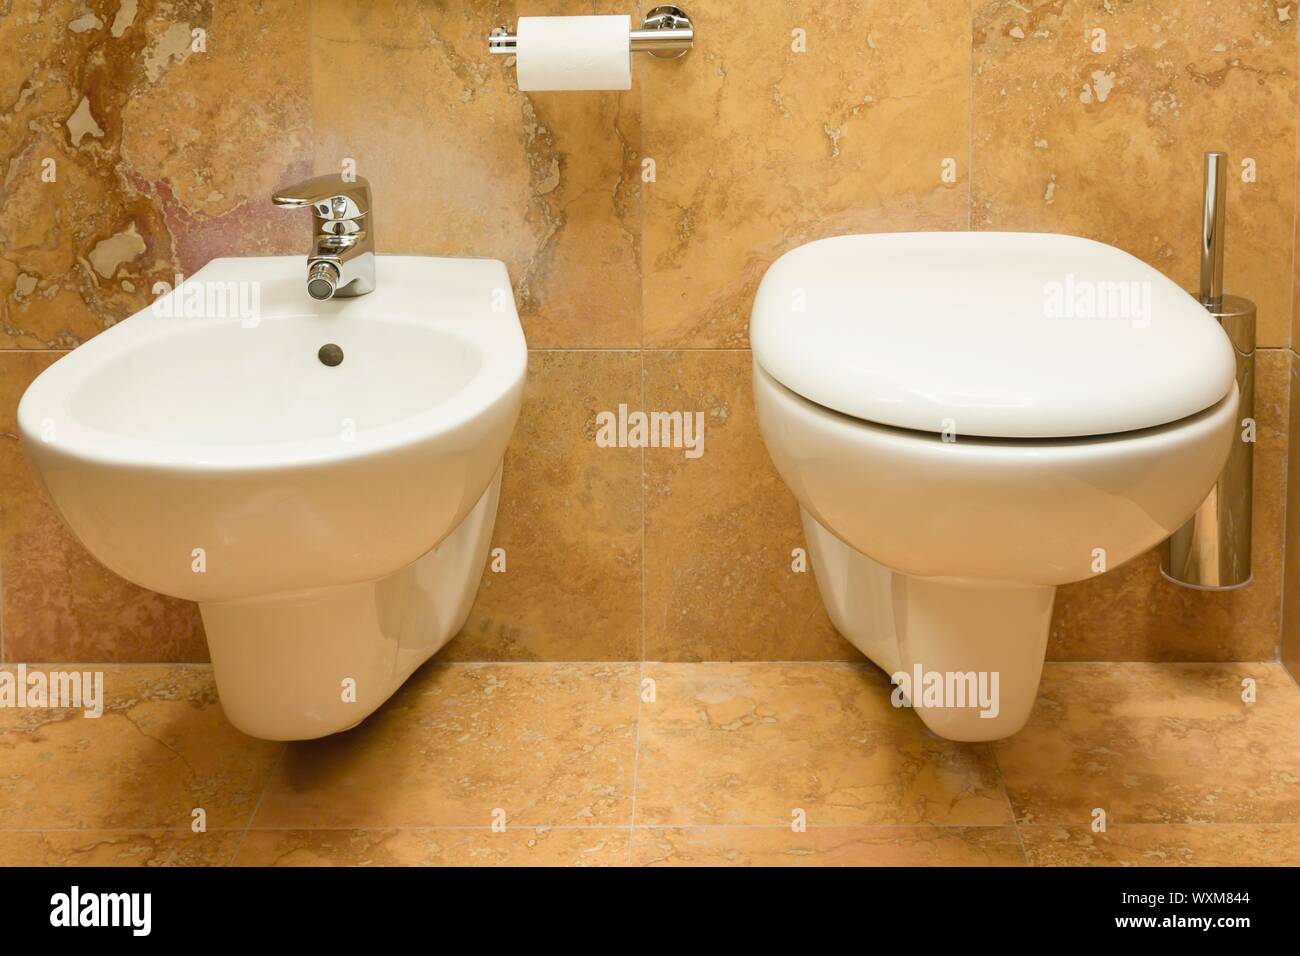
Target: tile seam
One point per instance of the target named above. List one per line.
(970, 128)
(617, 662)
(266, 785)
(1006, 795)
(619, 827)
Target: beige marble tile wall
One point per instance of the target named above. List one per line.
(126, 156)
(1291, 578)
(636, 227)
(1090, 118)
(1290, 651)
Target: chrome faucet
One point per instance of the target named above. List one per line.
(342, 259)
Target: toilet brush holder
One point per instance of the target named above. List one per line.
(1212, 550)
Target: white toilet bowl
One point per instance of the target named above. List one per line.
(951, 460)
(332, 521)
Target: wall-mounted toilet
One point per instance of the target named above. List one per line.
(968, 420)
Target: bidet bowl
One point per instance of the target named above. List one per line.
(222, 440)
(332, 517)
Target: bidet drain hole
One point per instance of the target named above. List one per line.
(330, 355)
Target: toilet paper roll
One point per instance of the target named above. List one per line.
(574, 53)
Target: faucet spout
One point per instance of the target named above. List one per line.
(322, 280)
(342, 260)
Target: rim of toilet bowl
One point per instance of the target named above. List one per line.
(975, 443)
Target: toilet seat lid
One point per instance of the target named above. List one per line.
(1004, 335)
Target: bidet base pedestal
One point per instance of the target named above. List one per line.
(971, 652)
(304, 665)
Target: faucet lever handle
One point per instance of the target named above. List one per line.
(331, 197)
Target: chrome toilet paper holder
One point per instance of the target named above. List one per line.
(666, 33)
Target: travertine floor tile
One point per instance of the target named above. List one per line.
(161, 750)
(443, 847)
(1164, 844)
(548, 744)
(1188, 773)
(827, 846)
(1157, 743)
(118, 848)
(752, 743)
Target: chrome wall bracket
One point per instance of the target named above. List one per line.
(666, 33)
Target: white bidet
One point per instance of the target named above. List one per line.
(322, 477)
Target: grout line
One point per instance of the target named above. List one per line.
(1287, 503)
(144, 829)
(82, 665)
(625, 349)
(636, 738)
(2, 609)
(790, 662)
(620, 827)
(1294, 678)
(643, 193)
(1006, 793)
(637, 349)
(53, 665)
(1253, 660)
(270, 775)
(636, 764)
(311, 84)
(970, 128)
(1295, 218)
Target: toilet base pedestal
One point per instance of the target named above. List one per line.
(968, 654)
(312, 663)
(950, 629)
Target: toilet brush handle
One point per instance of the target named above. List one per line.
(1212, 228)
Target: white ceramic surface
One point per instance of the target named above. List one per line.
(1004, 335)
(212, 456)
(944, 555)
